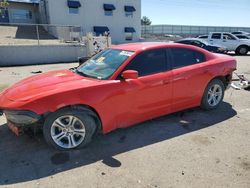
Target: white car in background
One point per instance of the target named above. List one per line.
(236, 33)
(228, 40)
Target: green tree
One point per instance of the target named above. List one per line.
(3, 5)
(145, 21)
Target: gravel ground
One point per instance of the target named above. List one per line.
(193, 148)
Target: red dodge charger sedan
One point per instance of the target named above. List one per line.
(119, 87)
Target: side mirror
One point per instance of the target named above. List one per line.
(130, 74)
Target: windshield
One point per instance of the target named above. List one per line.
(104, 64)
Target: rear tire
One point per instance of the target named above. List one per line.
(213, 95)
(69, 129)
(242, 50)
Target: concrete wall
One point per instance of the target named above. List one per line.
(91, 14)
(23, 6)
(27, 55)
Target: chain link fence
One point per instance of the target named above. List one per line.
(177, 31)
(39, 34)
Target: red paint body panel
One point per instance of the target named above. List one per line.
(120, 103)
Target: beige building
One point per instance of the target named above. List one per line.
(119, 17)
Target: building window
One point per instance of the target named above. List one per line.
(108, 13)
(108, 9)
(4, 15)
(74, 6)
(129, 14)
(129, 11)
(18, 14)
(74, 10)
(128, 36)
(100, 30)
(129, 32)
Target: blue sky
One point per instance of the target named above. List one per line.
(198, 12)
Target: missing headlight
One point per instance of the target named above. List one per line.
(21, 117)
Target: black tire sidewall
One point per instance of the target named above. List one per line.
(87, 120)
(204, 103)
(238, 50)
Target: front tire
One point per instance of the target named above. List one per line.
(213, 95)
(68, 129)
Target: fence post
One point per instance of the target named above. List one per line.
(37, 33)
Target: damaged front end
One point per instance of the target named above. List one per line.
(19, 120)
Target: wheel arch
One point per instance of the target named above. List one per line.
(245, 45)
(83, 108)
(225, 79)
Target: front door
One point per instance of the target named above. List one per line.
(4, 15)
(151, 95)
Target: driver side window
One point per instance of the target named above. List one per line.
(149, 62)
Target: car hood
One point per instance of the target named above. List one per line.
(47, 83)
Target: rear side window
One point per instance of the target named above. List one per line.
(149, 62)
(227, 36)
(242, 37)
(216, 36)
(184, 57)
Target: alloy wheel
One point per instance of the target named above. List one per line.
(68, 131)
(243, 50)
(214, 95)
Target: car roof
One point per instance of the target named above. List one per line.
(141, 46)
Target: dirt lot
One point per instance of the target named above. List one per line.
(193, 148)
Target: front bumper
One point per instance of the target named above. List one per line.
(21, 117)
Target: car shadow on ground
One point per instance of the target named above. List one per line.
(28, 158)
(233, 54)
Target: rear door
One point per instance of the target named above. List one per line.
(189, 77)
(229, 41)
